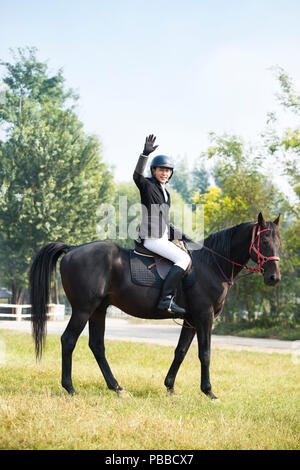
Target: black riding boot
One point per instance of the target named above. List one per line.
(170, 284)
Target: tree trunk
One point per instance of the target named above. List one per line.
(250, 310)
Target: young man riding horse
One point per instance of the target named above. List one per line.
(156, 230)
(98, 274)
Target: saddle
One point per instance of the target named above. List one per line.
(150, 269)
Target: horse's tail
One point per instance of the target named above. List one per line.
(39, 279)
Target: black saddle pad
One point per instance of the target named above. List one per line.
(143, 276)
(140, 272)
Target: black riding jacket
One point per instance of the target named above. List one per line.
(155, 210)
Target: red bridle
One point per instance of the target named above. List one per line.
(261, 259)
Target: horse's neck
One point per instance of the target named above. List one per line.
(240, 244)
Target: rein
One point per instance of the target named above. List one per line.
(261, 259)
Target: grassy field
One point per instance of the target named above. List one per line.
(291, 333)
(258, 407)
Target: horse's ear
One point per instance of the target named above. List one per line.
(277, 221)
(261, 220)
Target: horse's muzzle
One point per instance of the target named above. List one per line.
(272, 279)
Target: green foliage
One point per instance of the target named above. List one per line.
(288, 97)
(200, 177)
(186, 182)
(284, 144)
(51, 176)
(180, 180)
(242, 191)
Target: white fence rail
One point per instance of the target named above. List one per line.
(56, 311)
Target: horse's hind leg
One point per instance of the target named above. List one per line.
(68, 341)
(96, 343)
(186, 337)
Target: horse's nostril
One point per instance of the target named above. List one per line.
(274, 278)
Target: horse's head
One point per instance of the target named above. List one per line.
(265, 248)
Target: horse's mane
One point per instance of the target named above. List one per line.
(220, 242)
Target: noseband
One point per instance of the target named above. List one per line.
(261, 259)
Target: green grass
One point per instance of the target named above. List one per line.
(244, 329)
(258, 407)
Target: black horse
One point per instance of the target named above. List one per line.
(97, 274)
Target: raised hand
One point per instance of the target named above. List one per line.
(149, 145)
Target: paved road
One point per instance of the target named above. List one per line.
(163, 334)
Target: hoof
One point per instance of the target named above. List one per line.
(171, 391)
(71, 391)
(212, 396)
(216, 400)
(123, 393)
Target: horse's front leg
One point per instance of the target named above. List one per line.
(204, 342)
(186, 337)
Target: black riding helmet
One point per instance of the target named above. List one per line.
(164, 162)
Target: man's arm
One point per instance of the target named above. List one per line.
(140, 168)
(149, 147)
(178, 234)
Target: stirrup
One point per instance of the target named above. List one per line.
(170, 304)
(178, 310)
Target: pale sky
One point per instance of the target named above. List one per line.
(177, 69)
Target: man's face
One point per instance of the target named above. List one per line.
(162, 174)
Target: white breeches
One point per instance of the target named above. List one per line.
(167, 249)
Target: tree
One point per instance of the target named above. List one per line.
(181, 181)
(284, 144)
(283, 147)
(242, 190)
(200, 177)
(52, 178)
(187, 182)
